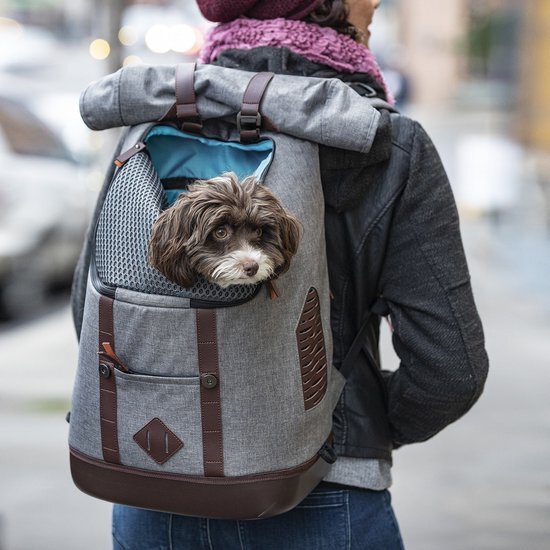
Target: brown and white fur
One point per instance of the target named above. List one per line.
(230, 232)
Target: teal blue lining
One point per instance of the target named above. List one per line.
(177, 154)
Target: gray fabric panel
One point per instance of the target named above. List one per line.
(361, 472)
(262, 399)
(84, 431)
(175, 401)
(156, 340)
(326, 111)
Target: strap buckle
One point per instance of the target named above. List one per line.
(366, 90)
(249, 123)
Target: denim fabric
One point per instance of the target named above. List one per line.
(330, 518)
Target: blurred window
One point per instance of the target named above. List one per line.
(25, 134)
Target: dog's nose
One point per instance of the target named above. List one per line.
(250, 268)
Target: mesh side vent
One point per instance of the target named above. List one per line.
(133, 203)
(311, 350)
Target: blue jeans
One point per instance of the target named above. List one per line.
(330, 518)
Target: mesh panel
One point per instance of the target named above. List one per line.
(133, 203)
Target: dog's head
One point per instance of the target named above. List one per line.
(230, 232)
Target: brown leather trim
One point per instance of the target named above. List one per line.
(211, 414)
(186, 101)
(158, 441)
(311, 350)
(249, 118)
(247, 497)
(107, 384)
(124, 157)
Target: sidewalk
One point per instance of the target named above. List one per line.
(40, 508)
(482, 484)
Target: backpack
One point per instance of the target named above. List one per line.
(204, 401)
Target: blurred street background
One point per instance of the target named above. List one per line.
(476, 73)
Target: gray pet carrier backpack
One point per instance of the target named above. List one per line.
(205, 401)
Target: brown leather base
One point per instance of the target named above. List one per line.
(247, 497)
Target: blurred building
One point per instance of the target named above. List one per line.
(465, 51)
(534, 97)
(431, 31)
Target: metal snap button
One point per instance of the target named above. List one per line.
(104, 370)
(209, 381)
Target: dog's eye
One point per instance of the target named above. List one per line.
(259, 232)
(221, 233)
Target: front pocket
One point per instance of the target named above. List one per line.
(159, 422)
(156, 340)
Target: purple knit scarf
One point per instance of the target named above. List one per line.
(318, 44)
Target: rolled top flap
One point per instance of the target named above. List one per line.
(325, 111)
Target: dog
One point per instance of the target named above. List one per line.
(230, 232)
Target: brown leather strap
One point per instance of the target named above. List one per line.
(249, 120)
(186, 101)
(107, 384)
(212, 437)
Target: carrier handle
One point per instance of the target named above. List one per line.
(186, 100)
(249, 118)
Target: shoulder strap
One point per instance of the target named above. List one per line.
(186, 102)
(379, 308)
(249, 119)
(380, 104)
(369, 93)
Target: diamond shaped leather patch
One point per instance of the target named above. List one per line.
(158, 441)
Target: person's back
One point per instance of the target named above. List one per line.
(392, 239)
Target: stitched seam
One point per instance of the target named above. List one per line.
(332, 84)
(117, 89)
(389, 511)
(377, 219)
(314, 507)
(348, 520)
(208, 534)
(240, 527)
(370, 139)
(170, 545)
(446, 293)
(118, 541)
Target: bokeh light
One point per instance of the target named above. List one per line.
(127, 35)
(158, 39)
(100, 49)
(132, 60)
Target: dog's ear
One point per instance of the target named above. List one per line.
(167, 247)
(290, 231)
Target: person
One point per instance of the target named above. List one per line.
(392, 231)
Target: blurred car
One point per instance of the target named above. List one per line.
(25, 48)
(43, 211)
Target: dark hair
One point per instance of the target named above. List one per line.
(334, 14)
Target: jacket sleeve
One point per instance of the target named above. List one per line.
(425, 280)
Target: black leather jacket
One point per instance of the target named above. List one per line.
(392, 230)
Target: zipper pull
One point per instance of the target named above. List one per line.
(127, 155)
(272, 290)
